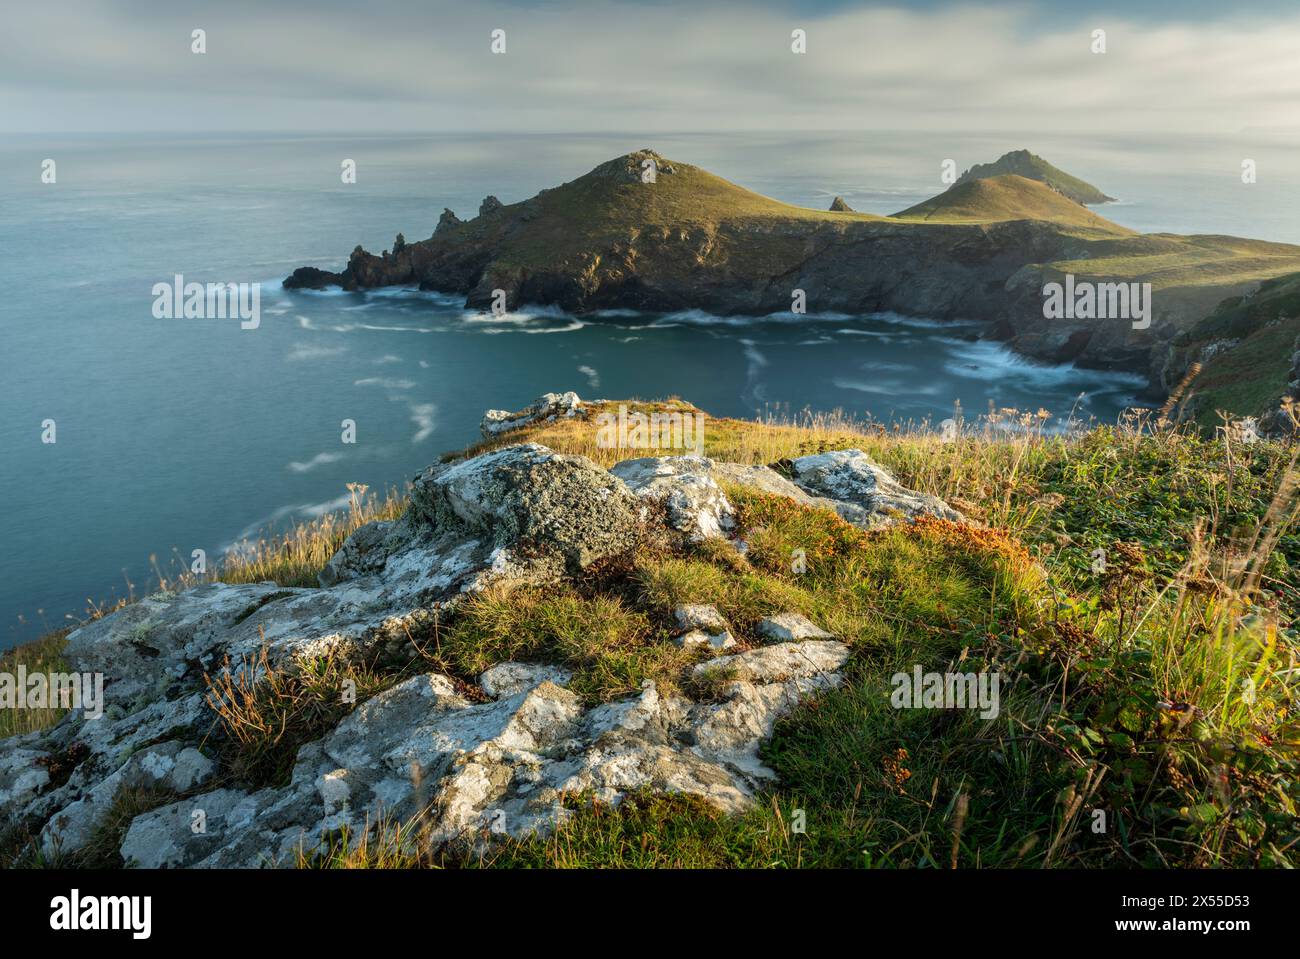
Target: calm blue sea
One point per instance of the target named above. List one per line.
(177, 434)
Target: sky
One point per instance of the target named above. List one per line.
(580, 65)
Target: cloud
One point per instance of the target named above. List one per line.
(648, 67)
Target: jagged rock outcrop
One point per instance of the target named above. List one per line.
(847, 482)
(498, 760)
(867, 495)
(839, 206)
(447, 221)
(695, 502)
(545, 407)
(489, 205)
(502, 767)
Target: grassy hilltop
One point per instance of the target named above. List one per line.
(1009, 197)
(1030, 166)
(1160, 690)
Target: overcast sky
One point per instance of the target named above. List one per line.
(574, 65)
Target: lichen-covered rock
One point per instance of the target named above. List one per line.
(507, 679)
(564, 507)
(696, 504)
(791, 627)
(703, 628)
(545, 407)
(699, 616)
(167, 767)
(518, 514)
(778, 663)
(701, 640)
(865, 493)
(477, 770)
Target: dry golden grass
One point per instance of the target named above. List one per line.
(296, 556)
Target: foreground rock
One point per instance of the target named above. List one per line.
(496, 760)
(521, 514)
(867, 494)
(499, 768)
(695, 502)
(847, 482)
(703, 629)
(791, 627)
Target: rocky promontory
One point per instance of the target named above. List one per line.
(497, 753)
(642, 232)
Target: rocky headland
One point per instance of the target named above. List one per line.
(684, 238)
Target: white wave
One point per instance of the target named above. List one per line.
(422, 416)
(886, 387)
(990, 361)
(884, 366)
(320, 459)
(704, 318)
(385, 382)
(593, 377)
(415, 293)
(304, 352)
(242, 544)
(328, 291)
(756, 362)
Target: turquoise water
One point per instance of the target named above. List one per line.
(182, 434)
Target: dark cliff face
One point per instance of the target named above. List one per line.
(675, 237)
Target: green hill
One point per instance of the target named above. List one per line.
(1008, 197)
(1033, 167)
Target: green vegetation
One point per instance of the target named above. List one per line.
(296, 556)
(1249, 377)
